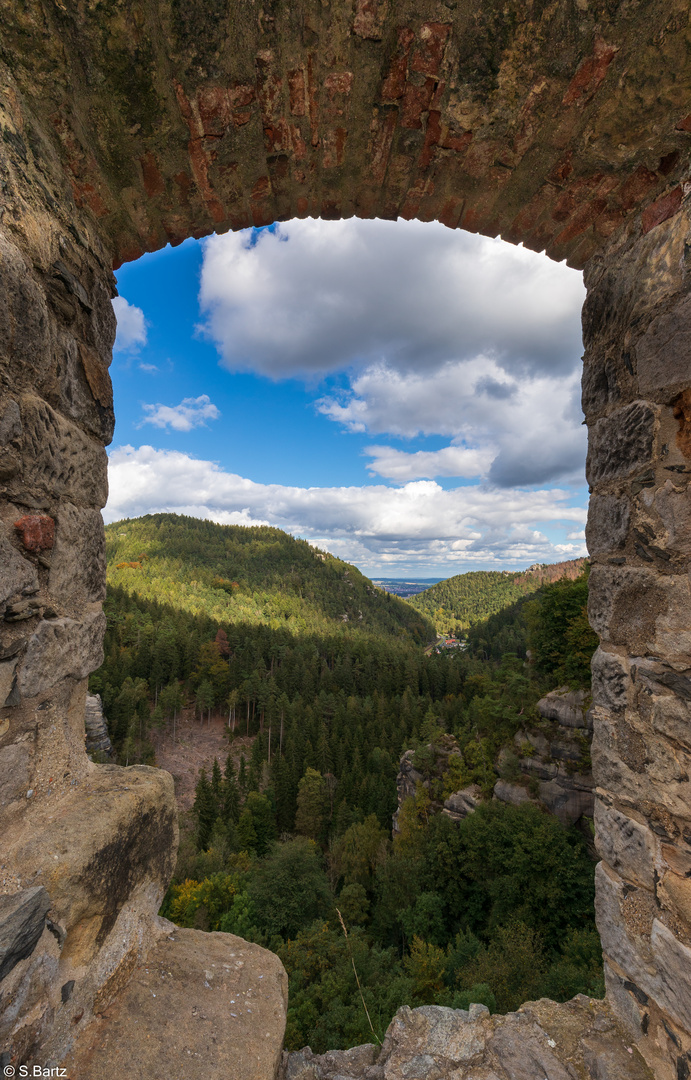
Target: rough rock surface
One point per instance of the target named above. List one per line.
(567, 707)
(22, 918)
(579, 1040)
(103, 849)
(97, 737)
(556, 757)
(201, 1006)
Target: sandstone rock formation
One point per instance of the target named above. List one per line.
(580, 1040)
(564, 126)
(98, 744)
(567, 707)
(201, 1004)
(556, 760)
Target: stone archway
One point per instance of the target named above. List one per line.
(564, 126)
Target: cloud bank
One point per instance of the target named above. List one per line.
(440, 333)
(380, 528)
(314, 297)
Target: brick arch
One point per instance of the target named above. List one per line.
(545, 124)
(563, 126)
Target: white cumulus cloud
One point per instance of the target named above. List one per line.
(418, 524)
(513, 434)
(190, 413)
(316, 296)
(439, 332)
(131, 332)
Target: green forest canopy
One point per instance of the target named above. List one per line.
(460, 601)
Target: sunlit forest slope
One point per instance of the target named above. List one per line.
(467, 598)
(258, 575)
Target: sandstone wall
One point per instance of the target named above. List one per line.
(562, 125)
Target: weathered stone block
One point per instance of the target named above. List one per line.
(7, 670)
(625, 929)
(10, 424)
(59, 458)
(86, 393)
(22, 918)
(645, 611)
(461, 803)
(568, 803)
(513, 794)
(61, 648)
(671, 716)
(620, 444)
(626, 845)
(599, 386)
(177, 1017)
(14, 772)
(78, 563)
(611, 679)
(432, 1036)
(16, 573)
(524, 1053)
(663, 354)
(673, 505)
(674, 894)
(673, 989)
(25, 346)
(640, 768)
(608, 524)
(642, 946)
(116, 836)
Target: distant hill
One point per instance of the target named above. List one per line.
(466, 598)
(254, 575)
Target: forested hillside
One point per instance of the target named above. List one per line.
(495, 908)
(255, 575)
(457, 602)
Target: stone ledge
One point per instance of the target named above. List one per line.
(203, 1007)
(579, 1040)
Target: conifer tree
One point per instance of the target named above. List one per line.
(242, 776)
(246, 833)
(311, 805)
(206, 811)
(216, 783)
(231, 794)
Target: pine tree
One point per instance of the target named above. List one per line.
(231, 794)
(246, 833)
(242, 776)
(205, 809)
(216, 784)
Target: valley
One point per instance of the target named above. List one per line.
(295, 733)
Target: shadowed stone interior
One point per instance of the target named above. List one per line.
(128, 124)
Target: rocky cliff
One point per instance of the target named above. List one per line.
(580, 1040)
(549, 764)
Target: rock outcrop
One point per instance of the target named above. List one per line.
(200, 1005)
(569, 708)
(549, 766)
(98, 744)
(580, 1040)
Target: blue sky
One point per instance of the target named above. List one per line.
(402, 395)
